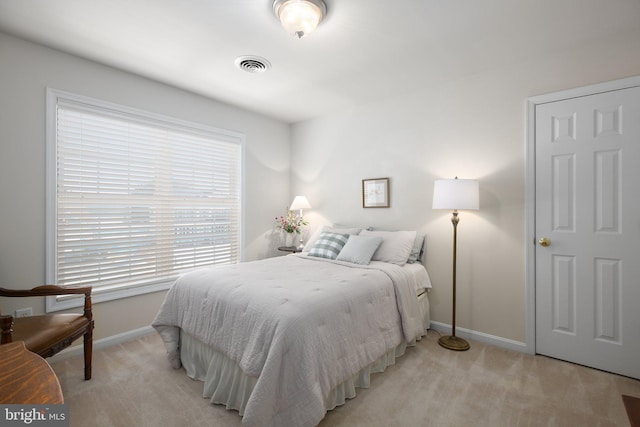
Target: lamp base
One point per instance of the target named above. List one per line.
(453, 343)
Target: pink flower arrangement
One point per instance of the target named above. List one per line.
(291, 223)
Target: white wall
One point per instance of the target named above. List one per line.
(473, 128)
(26, 70)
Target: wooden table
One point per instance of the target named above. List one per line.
(292, 249)
(26, 377)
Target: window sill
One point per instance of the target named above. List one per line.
(66, 302)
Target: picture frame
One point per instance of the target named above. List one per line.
(375, 193)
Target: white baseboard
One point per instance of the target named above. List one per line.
(482, 337)
(437, 326)
(77, 350)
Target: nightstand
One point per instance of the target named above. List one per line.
(292, 249)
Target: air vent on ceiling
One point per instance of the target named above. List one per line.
(253, 64)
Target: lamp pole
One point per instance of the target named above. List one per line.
(454, 220)
(452, 342)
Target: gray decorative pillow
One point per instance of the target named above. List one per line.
(359, 249)
(416, 250)
(328, 245)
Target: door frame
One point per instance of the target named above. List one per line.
(530, 189)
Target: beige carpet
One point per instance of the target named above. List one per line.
(133, 385)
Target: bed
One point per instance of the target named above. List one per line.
(282, 340)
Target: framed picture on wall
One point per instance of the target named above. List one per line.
(375, 193)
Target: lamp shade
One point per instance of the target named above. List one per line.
(300, 202)
(455, 194)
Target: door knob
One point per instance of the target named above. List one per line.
(544, 241)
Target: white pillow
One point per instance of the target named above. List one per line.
(395, 247)
(325, 228)
(418, 244)
(359, 249)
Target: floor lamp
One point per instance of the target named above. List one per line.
(455, 194)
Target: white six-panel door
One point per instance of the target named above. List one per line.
(587, 198)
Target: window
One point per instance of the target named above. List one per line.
(134, 199)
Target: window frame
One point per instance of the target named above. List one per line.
(111, 292)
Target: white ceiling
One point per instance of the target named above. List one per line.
(364, 49)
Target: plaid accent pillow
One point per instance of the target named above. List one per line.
(328, 245)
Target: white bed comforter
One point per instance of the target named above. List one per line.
(299, 324)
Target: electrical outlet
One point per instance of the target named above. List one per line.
(24, 312)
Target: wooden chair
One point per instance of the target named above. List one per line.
(47, 334)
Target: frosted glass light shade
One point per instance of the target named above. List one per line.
(300, 202)
(456, 194)
(299, 17)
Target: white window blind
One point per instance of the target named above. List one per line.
(139, 198)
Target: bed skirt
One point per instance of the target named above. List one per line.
(226, 384)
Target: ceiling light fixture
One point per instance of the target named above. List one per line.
(300, 17)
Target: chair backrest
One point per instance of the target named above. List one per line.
(49, 290)
(5, 327)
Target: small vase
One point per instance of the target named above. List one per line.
(289, 239)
